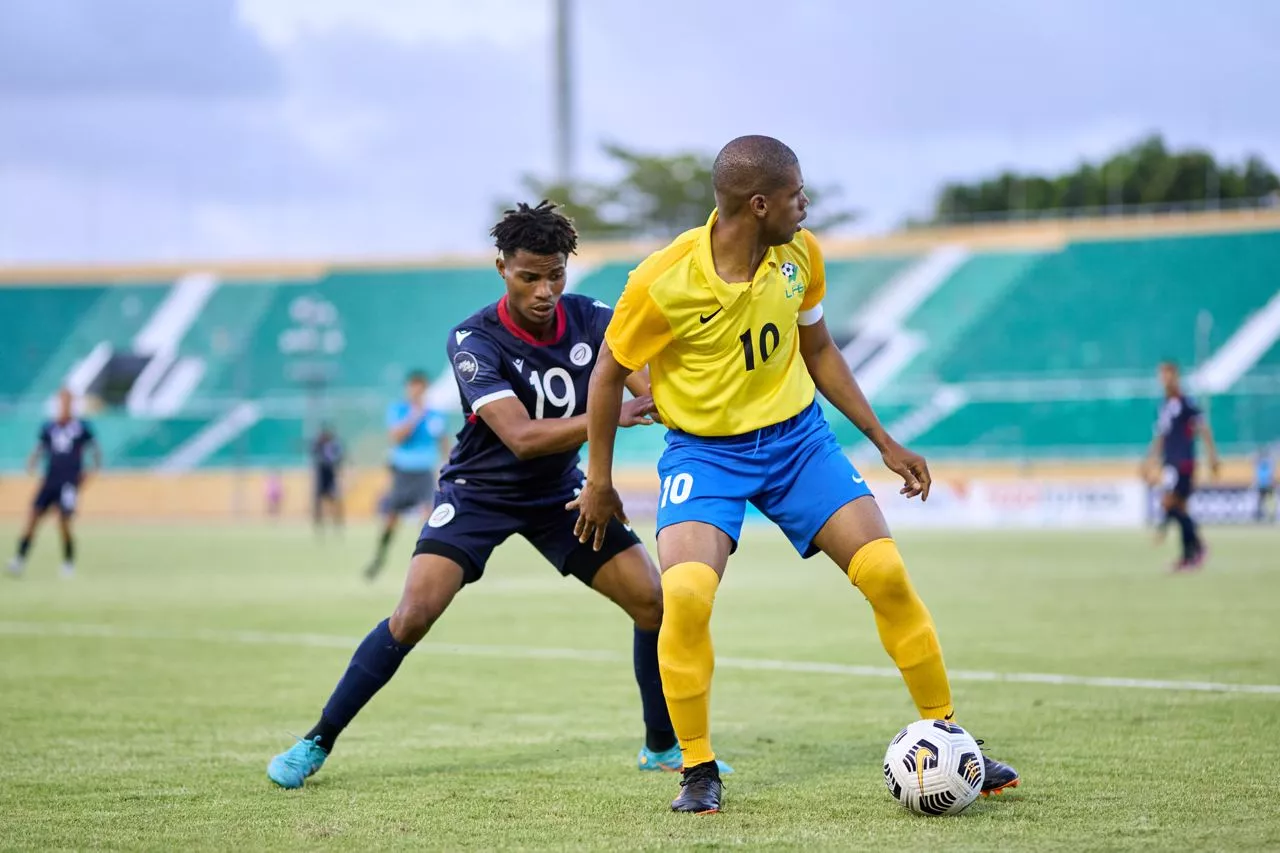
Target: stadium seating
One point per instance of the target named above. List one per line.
(1049, 350)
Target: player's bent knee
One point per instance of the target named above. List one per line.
(879, 572)
(646, 611)
(413, 619)
(688, 592)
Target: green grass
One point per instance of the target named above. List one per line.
(155, 731)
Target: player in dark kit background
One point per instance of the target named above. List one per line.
(522, 367)
(63, 442)
(1171, 462)
(326, 461)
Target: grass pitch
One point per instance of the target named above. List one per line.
(140, 702)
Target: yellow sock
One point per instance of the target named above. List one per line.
(685, 656)
(906, 628)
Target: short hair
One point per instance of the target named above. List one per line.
(417, 376)
(750, 165)
(541, 230)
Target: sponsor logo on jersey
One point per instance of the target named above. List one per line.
(460, 336)
(466, 366)
(441, 515)
(519, 363)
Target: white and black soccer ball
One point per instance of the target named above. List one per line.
(934, 767)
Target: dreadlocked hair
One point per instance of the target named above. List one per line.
(540, 230)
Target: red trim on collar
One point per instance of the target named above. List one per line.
(504, 316)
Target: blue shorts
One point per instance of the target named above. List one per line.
(469, 521)
(794, 472)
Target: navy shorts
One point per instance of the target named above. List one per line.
(794, 472)
(60, 493)
(468, 522)
(326, 483)
(1178, 480)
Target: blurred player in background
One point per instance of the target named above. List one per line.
(1171, 462)
(728, 319)
(522, 367)
(1264, 483)
(326, 462)
(418, 443)
(63, 442)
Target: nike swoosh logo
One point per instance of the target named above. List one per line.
(706, 318)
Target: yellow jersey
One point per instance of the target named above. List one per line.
(724, 357)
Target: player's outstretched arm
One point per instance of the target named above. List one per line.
(1210, 446)
(400, 432)
(95, 450)
(33, 458)
(1150, 468)
(529, 438)
(599, 503)
(835, 380)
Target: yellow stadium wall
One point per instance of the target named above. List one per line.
(229, 495)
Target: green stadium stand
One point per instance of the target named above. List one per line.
(1118, 306)
(36, 323)
(852, 283)
(336, 346)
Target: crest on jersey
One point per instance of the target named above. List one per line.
(790, 271)
(466, 366)
(580, 354)
(441, 515)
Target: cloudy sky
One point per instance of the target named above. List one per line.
(162, 129)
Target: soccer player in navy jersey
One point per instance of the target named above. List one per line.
(1173, 454)
(522, 365)
(327, 455)
(63, 442)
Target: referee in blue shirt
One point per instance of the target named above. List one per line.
(418, 444)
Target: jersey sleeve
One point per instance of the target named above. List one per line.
(638, 330)
(599, 318)
(477, 367)
(816, 288)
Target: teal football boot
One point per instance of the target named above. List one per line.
(670, 761)
(291, 768)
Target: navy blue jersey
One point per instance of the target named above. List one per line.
(326, 453)
(493, 359)
(64, 446)
(1178, 421)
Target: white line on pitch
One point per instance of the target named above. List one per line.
(333, 641)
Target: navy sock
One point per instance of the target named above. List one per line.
(24, 545)
(385, 542)
(1190, 540)
(376, 659)
(659, 734)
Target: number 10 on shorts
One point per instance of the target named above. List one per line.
(676, 488)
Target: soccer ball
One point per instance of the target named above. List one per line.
(934, 767)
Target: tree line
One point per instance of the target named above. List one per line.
(660, 195)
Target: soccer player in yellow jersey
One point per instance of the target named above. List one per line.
(728, 319)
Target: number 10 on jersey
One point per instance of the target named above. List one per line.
(676, 489)
(769, 338)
